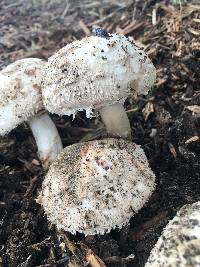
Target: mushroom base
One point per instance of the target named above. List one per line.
(47, 138)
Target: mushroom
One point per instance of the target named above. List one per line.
(98, 72)
(21, 100)
(96, 186)
(179, 244)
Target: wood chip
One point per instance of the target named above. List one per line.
(104, 18)
(192, 139)
(194, 32)
(84, 28)
(160, 81)
(94, 260)
(119, 260)
(195, 109)
(32, 186)
(133, 26)
(73, 264)
(132, 110)
(196, 20)
(66, 9)
(35, 162)
(162, 115)
(154, 17)
(147, 110)
(172, 150)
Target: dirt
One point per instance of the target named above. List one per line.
(165, 123)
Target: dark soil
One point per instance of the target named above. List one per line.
(165, 123)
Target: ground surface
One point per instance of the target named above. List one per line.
(166, 124)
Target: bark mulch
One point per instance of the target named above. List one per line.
(166, 124)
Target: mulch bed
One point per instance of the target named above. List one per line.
(166, 124)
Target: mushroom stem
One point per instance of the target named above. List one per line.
(47, 138)
(116, 120)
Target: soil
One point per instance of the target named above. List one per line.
(166, 124)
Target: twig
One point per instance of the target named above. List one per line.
(84, 27)
(132, 110)
(27, 262)
(146, 4)
(96, 22)
(56, 263)
(154, 20)
(77, 253)
(65, 10)
(14, 5)
(180, 4)
(133, 26)
(32, 186)
(135, 9)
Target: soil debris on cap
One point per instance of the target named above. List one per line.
(96, 186)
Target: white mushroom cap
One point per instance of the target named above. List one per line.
(96, 186)
(179, 244)
(20, 92)
(95, 72)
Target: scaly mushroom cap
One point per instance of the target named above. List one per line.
(179, 244)
(95, 72)
(96, 186)
(20, 92)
